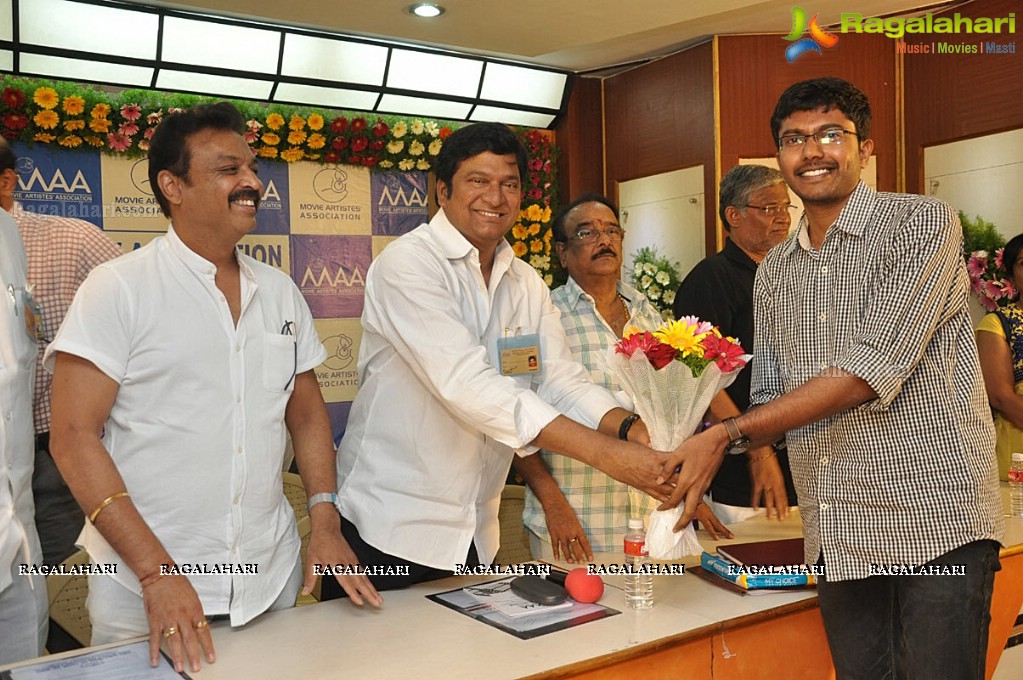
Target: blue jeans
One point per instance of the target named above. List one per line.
(888, 627)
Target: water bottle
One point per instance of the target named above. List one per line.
(639, 588)
(1015, 487)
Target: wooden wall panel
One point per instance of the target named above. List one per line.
(580, 139)
(753, 73)
(951, 97)
(660, 117)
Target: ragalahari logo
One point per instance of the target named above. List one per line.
(818, 36)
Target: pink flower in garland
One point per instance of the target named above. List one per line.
(976, 265)
(154, 118)
(128, 129)
(118, 141)
(131, 112)
(725, 352)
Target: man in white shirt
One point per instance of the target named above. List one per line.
(447, 392)
(23, 620)
(178, 368)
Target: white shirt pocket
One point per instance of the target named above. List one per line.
(280, 360)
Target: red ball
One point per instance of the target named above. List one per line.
(583, 587)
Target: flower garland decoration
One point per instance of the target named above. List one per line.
(657, 278)
(76, 116)
(690, 341)
(531, 236)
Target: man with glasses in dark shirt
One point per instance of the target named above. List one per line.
(756, 213)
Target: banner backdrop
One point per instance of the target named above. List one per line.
(322, 225)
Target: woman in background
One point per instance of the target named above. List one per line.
(1000, 345)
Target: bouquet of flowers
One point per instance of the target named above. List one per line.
(987, 282)
(657, 278)
(672, 374)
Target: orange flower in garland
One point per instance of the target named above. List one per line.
(45, 97)
(275, 121)
(46, 119)
(73, 105)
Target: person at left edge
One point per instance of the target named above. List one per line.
(191, 359)
(23, 620)
(438, 415)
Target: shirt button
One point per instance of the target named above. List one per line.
(824, 269)
(238, 398)
(825, 506)
(237, 499)
(823, 317)
(824, 365)
(237, 348)
(239, 449)
(7, 416)
(824, 461)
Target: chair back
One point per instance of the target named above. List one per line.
(67, 594)
(514, 539)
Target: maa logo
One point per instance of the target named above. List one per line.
(325, 279)
(339, 352)
(57, 182)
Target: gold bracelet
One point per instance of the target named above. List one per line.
(102, 506)
(764, 457)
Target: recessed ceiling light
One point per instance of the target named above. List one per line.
(426, 9)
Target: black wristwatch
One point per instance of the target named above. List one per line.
(739, 443)
(623, 429)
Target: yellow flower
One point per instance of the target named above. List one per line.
(274, 121)
(316, 140)
(406, 164)
(399, 129)
(312, 156)
(434, 147)
(519, 232)
(297, 122)
(270, 139)
(293, 154)
(535, 246)
(417, 127)
(100, 125)
(546, 215)
(267, 152)
(315, 121)
(534, 213)
(70, 141)
(422, 164)
(100, 111)
(519, 248)
(45, 97)
(46, 119)
(73, 105)
(682, 336)
(416, 148)
(93, 140)
(295, 137)
(534, 229)
(42, 137)
(395, 146)
(71, 125)
(386, 164)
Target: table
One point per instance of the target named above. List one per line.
(695, 630)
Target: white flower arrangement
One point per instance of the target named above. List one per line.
(657, 278)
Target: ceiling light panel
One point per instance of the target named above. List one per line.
(418, 106)
(88, 28)
(206, 83)
(525, 86)
(511, 117)
(434, 73)
(334, 97)
(326, 59)
(220, 46)
(82, 69)
(6, 20)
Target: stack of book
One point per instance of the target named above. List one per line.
(768, 565)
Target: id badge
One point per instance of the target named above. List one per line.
(25, 306)
(519, 354)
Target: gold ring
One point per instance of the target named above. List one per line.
(202, 624)
(170, 631)
(573, 540)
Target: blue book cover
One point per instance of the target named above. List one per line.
(751, 576)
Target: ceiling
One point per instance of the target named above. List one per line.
(581, 36)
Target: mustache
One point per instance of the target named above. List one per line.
(604, 251)
(242, 194)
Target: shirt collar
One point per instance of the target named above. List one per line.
(454, 246)
(576, 295)
(853, 220)
(738, 255)
(197, 262)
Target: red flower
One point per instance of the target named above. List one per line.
(369, 161)
(339, 142)
(9, 135)
(534, 194)
(332, 157)
(534, 179)
(657, 353)
(726, 353)
(354, 159)
(535, 164)
(358, 124)
(339, 125)
(376, 145)
(359, 142)
(13, 97)
(15, 121)
(444, 132)
(380, 129)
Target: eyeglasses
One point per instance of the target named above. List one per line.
(590, 235)
(830, 137)
(774, 210)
